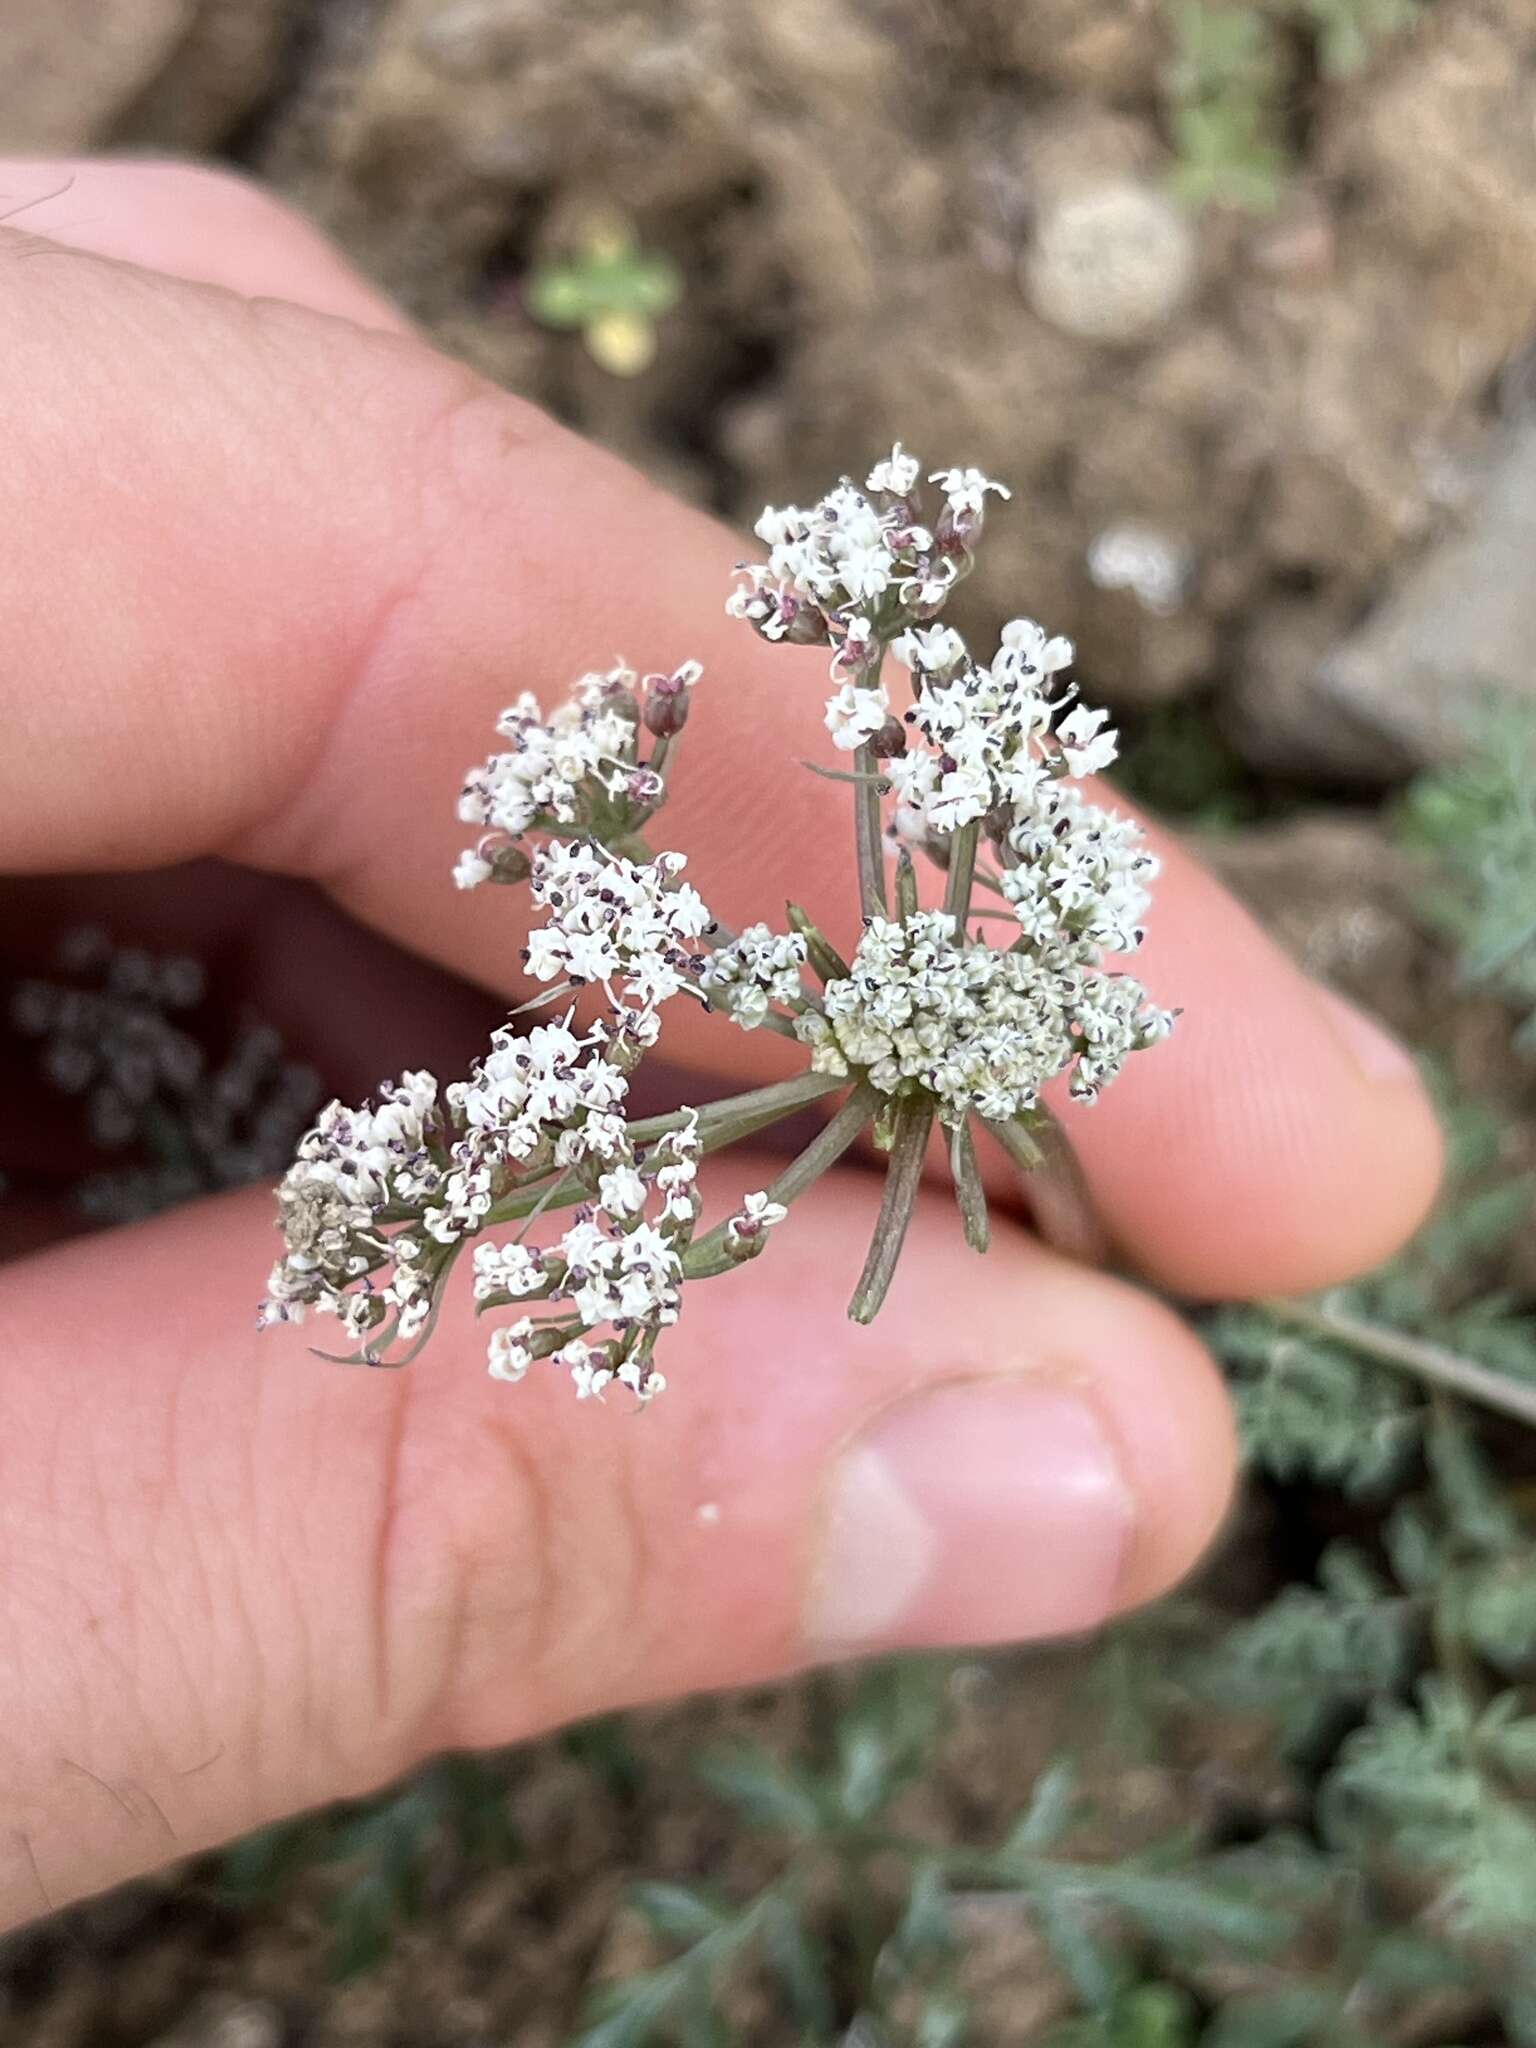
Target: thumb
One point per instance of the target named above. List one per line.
(237, 1584)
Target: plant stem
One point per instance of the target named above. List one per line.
(709, 1256)
(1018, 1142)
(738, 1116)
(906, 887)
(822, 956)
(1431, 1362)
(969, 1192)
(720, 1124)
(1058, 1191)
(962, 872)
(903, 1177)
(867, 837)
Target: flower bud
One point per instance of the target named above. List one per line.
(509, 863)
(889, 741)
(666, 705)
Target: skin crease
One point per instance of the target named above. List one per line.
(319, 560)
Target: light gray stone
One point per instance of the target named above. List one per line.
(1110, 262)
(1460, 622)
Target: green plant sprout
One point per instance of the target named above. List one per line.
(1232, 71)
(611, 291)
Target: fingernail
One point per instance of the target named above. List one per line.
(993, 1511)
(1374, 1050)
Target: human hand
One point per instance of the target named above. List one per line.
(272, 567)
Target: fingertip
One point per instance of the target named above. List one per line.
(1280, 1141)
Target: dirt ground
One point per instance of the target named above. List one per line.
(928, 218)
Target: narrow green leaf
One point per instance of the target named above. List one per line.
(1052, 1801)
(763, 1791)
(800, 1962)
(680, 1913)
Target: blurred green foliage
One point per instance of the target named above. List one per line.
(1237, 72)
(1477, 817)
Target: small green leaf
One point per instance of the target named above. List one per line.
(885, 1733)
(800, 1962)
(681, 1913)
(559, 296)
(1081, 1947)
(763, 1792)
(924, 1930)
(1052, 1800)
(1284, 2018)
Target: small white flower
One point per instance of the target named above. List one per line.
(1088, 750)
(621, 1191)
(758, 968)
(514, 1269)
(897, 473)
(930, 649)
(965, 490)
(509, 1355)
(471, 870)
(1027, 646)
(855, 715)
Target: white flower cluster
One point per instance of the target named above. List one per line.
(985, 727)
(352, 1169)
(436, 1167)
(988, 746)
(381, 1200)
(1078, 882)
(533, 1089)
(980, 1030)
(842, 571)
(753, 971)
(999, 749)
(619, 1265)
(579, 768)
(617, 920)
(547, 1108)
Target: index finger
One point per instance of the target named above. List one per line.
(321, 559)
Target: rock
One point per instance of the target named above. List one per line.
(68, 69)
(1110, 262)
(1274, 716)
(1339, 896)
(228, 2023)
(165, 74)
(223, 66)
(1462, 620)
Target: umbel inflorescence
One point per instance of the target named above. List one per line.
(583, 1222)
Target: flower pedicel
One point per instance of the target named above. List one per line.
(584, 1222)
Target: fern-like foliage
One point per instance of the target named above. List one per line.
(1229, 85)
(1316, 1408)
(1478, 818)
(377, 1853)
